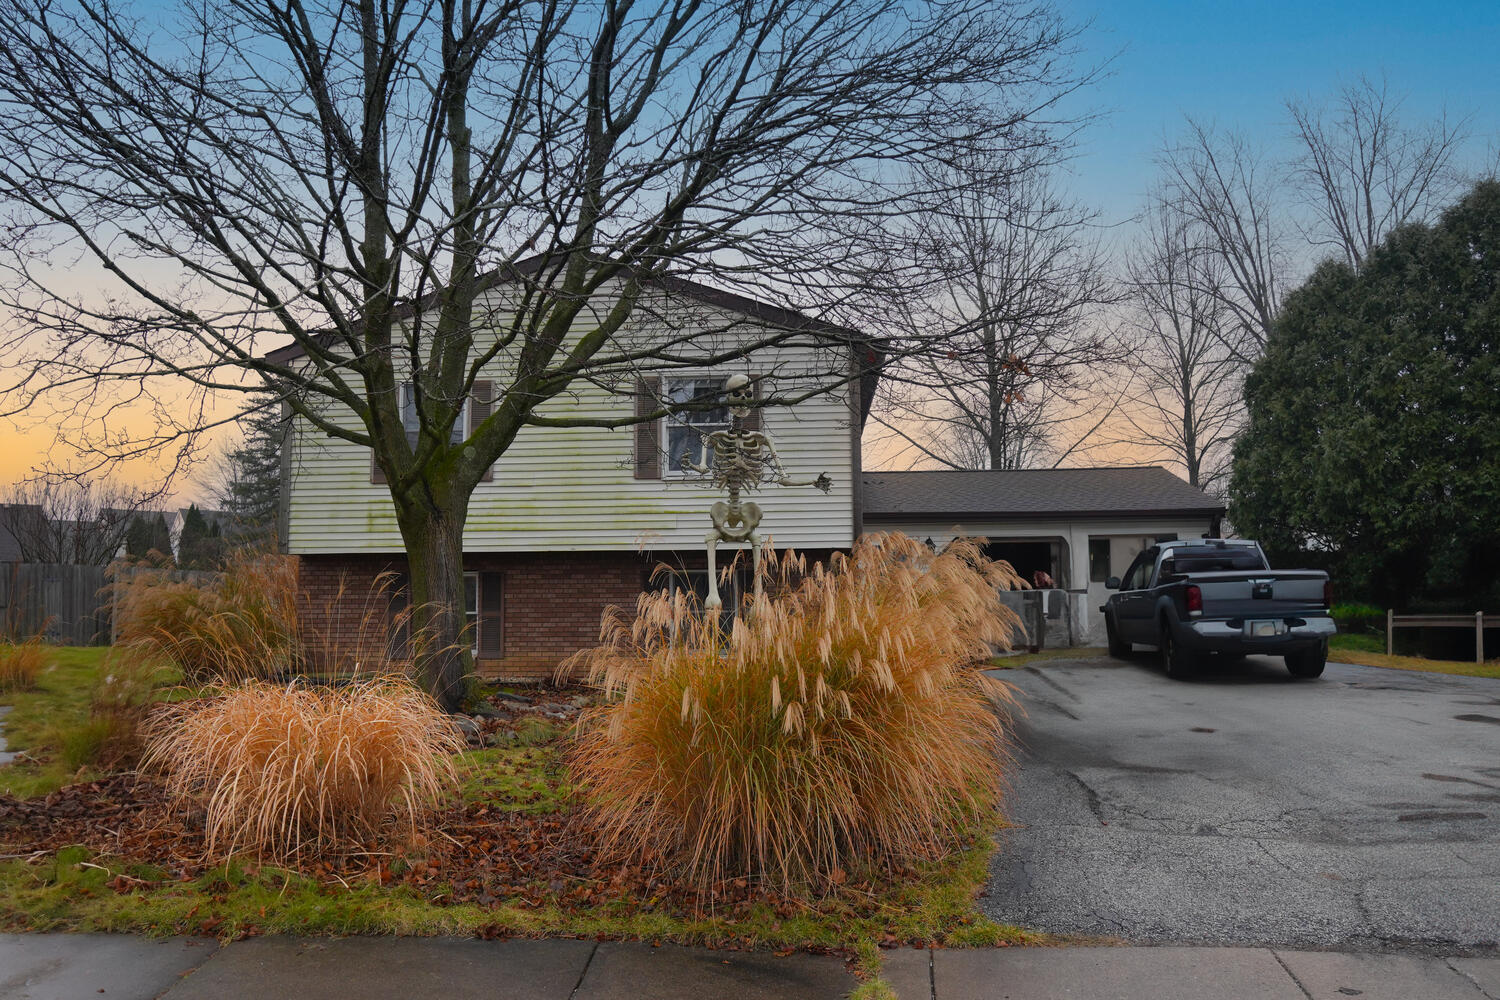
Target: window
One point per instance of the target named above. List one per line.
(412, 424)
(471, 610)
(1140, 571)
(730, 590)
(1098, 560)
(685, 431)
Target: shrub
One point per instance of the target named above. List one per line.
(840, 721)
(284, 772)
(1352, 616)
(22, 664)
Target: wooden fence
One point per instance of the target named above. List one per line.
(1476, 621)
(68, 604)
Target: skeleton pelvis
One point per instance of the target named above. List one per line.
(734, 527)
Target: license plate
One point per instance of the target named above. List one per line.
(1259, 628)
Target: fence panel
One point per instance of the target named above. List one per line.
(66, 604)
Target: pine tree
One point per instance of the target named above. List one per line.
(250, 492)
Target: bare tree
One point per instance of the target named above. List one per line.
(1364, 172)
(1015, 267)
(68, 521)
(346, 174)
(1230, 193)
(1185, 402)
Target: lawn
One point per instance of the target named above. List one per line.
(50, 722)
(105, 854)
(1369, 651)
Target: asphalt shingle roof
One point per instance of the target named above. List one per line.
(1031, 493)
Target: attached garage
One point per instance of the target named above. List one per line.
(1080, 526)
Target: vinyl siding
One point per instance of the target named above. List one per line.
(572, 489)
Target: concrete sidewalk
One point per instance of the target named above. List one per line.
(122, 967)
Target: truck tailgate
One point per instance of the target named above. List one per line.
(1265, 593)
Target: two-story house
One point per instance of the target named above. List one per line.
(572, 520)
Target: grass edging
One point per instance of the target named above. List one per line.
(1010, 662)
(1489, 669)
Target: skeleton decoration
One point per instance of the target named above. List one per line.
(740, 461)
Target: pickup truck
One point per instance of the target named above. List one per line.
(1216, 595)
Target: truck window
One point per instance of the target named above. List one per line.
(1208, 559)
(1140, 571)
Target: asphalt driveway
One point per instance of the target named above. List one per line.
(1359, 811)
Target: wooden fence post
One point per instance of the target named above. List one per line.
(1390, 631)
(1479, 637)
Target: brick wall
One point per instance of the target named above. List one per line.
(552, 604)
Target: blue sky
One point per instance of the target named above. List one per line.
(1236, 64)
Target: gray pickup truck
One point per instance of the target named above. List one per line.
(1217, 595)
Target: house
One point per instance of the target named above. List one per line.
(572, 520)
(1079, 526)
(575, 519)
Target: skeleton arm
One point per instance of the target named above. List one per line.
(778, 473)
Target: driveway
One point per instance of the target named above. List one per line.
(1358, 811)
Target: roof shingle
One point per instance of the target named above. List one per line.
(995, 494)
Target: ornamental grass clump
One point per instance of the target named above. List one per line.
(841, 724)
(224, 627)
(292, 773)
(22, 663)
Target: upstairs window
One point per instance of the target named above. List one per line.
(684, 433)
(410, 420)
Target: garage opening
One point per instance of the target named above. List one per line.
(1026, 557)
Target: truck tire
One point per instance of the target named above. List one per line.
(1309, 663)
(1175, 660)
(1117, 647)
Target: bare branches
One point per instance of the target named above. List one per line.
(1185, 403)
(1013, 270)
(1363, 172)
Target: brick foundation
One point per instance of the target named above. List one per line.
(552, 601)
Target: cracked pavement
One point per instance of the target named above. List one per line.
(1360, 811)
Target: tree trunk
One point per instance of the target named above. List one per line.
(441, 649)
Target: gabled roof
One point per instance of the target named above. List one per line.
(1032, 493)
(872, 349)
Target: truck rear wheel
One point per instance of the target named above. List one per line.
(1309, 663)
(1175, 660)
(1117, 647)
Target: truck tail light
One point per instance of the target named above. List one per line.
(1194, 600)
(1327, 593)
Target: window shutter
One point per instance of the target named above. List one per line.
(752, 419)
(377, 474)
(491, 642)
(648, 433)
(481, 403)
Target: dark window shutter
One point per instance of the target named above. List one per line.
(377, 474)
(400, 617)
(648, 433)
(481, 402)
(491, 615)
(752, 419)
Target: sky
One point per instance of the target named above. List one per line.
(1237, 63)
(1234, 64)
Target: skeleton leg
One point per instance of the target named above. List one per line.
(714, 603)
(755, 562)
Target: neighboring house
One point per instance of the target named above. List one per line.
(573, 520)
(1080, 526)
(20, 524)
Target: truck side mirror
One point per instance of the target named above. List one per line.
(1113, 583)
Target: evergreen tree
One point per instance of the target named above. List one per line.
(1374, 417)
(250, 490)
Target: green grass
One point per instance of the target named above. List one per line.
(529, 779)
(50, 722)
(76, 890)
(1369, 651)
(1010, 662)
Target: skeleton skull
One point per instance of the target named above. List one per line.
(739, 394)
